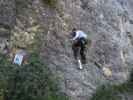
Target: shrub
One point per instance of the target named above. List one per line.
(111, 92)
(32, 81)
(50, 3)
(105, 92)
(131, 77)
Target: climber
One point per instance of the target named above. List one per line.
(79, 39)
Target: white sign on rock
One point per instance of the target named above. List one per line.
(18, 59)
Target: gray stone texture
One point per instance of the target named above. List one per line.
(108, 23)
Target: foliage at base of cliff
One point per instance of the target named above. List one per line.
(114, 92)
(32, 81)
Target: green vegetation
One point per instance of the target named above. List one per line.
(50, 3)
(113, 92)
(105, 93)
(32, 81)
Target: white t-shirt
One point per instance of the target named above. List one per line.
(80, 34)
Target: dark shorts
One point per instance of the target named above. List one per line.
(80, 42)
(79, 46)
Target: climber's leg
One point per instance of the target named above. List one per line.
(83, 51)
(75, 51)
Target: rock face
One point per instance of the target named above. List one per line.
(7, 13)
(7, 21)
(108, 23)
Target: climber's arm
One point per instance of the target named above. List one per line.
(77, 35)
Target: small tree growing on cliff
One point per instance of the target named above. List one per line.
(50, 3)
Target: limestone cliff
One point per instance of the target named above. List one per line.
(108, 23)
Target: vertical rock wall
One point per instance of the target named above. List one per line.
(108, 23)
(7, 21)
